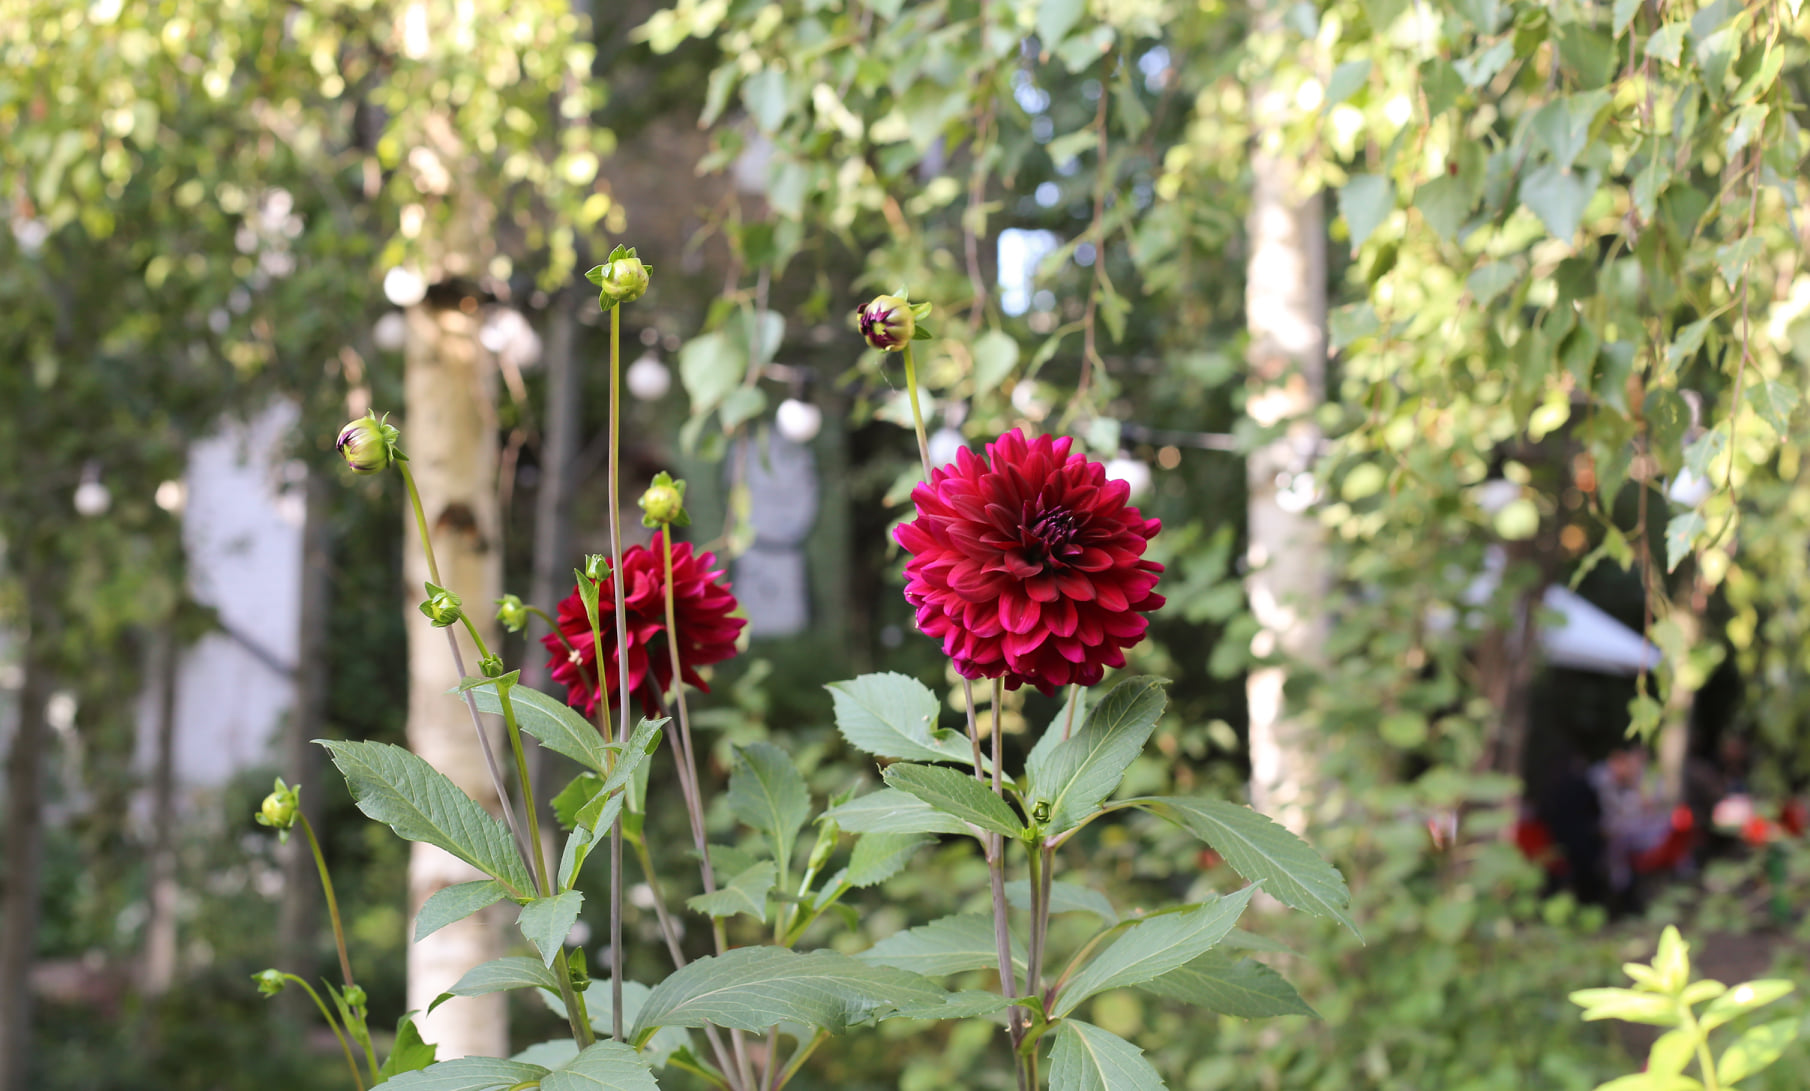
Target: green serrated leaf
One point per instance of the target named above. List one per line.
(892, 811)
(1153, 947)
(500, 975)
(466, 1074)
(559, 729)
(1446, 203)
(893, 716)
(455, 903)
(767, 793)
(752, 988)
(745, 893)
(958, 795)
(967, 1004)
(409, 1053)
(1064, 898)
(641, 744)
(1262, 851)
(547, 921)
(604, 1066)
(665, 1042)
(1558, 196)
(1241, 987)
(1067, 721)
(419, 803)
(877, 857)
(1075, 776)
(947, 946)
(1089, 1058)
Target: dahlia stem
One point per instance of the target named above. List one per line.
(339, 931)
(694, 799)
(332, 1025)
(458, 657)
(917, 412)
(994, 845)
(622, 684)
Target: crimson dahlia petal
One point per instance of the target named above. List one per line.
(1027, 564)
(701, 602)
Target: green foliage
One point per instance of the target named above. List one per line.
(1070, 779)
(1088, 1058)
(893, 716)
(1152, 947)
(751, 988)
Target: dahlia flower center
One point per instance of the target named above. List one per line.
(1049, 538)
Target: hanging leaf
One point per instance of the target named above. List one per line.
(767, 793)
(892, 716)
(745, 893)
(411, 797)
(1365, 202)
(1774, 402)
(559, 728)
(500, 975)
(1241, 987)
(547, 921)
(455, 903)
(409, 1053)
(955, 794)
(877, 857)
(1153, 947)
(892, 811)
(1681, 533)
(1262, 852)
(947, 946)
(1089, 1058)
(752, 988)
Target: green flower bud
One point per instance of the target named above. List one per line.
(270, 982)
(491, 665)
(354, 996)
(512, 613)
(887, 323)
(596, 566)
(442, 607)
(368, 444)
(622, 278)
(664, 503)
(280, 808)
(827, 835)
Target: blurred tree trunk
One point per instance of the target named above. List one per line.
(450, 436)
(159, 970)
(24, 844)
(1285, 310)
(301, 887)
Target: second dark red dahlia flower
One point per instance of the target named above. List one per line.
(1027, 563)
(701, 603)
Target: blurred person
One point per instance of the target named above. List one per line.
(1636, 817)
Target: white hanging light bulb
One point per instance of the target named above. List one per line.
(648, 378)
(799, 421)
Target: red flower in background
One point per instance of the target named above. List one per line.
(701, 604)
(1028, 565)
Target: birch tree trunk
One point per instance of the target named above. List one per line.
(1285, 311)
(450, 436)
(159, 968)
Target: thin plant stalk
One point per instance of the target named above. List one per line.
(694, 799)
(621, 606)
(917, 413)
(452, 642)
(534, 859)
(332, 1025)
(996, 877)
(320, 864)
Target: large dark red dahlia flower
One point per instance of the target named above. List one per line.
(701, 603)
(1027, 563)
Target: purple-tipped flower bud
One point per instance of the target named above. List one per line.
(622, 278)
(368, 444)
(887, 323)
(664, 503)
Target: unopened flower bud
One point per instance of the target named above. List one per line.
(664, 503)
(512, 613)
(596, 566)
(442, 607)
(270, 982)
(491, 665)
(280, 808)
(825, 847)
(622, 278)
(368, 444)
(354, 996)
(887, 323)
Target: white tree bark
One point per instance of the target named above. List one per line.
(1287, 585)
(450, 436)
